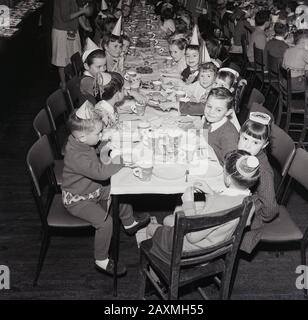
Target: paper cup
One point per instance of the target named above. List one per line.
(144, 171)
(157, 85)
(180, 94)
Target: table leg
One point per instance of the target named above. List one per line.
(115, 241)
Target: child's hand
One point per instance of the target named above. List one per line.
(188, 195)
(202, 186)
(138, 97)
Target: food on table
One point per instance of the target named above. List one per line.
(144, 70)
(157, 96)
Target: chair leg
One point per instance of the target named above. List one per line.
(303, 255)
(43, 251)
(143, 276)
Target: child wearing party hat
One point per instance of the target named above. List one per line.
(95, 62)
(192, 56)
(255, 136)
(241, 172)
(83, 192)
(112, 43)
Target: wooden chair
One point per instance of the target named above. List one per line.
(69, 71)
(77, 64)
(53, 215)
(259, 67)
(58, 111)
(256, 97)
(188, 267)
(283, 230)
(290, 104)
(246, 67)
(273, 70)
(42, 126)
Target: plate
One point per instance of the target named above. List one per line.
(213, 170)
(169, 172)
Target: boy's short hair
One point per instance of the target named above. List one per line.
(192, 47)
(180, 26)
(115, 85)
(280, 29)
(99, 53)
(180, 43)
(214, 47)
(75, 123)
(107, 38)
(208, 66)
(125, 37)
(227, 76)
(222, 94)
(230, 161)
(261, 17)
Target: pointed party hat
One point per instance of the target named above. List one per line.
(194, 39)
(204, 54)
(117, 28)
(85, 112)
(119, 6)
(104, 5)
(90, 46)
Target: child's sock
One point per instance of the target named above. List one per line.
(102, 263)
(131, 225)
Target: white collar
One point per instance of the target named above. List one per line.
(279, 38)
(87, 73)
(233, 191)
(217, 125)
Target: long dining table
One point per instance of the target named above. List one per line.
(184, 172)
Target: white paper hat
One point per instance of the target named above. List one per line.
(247, 166)
(119, 6)
(260, 117)
(90, 46)
(301, 22)
(204, 54)
(117, 28)
(194, 38)
(85, 112)
(236, 74)
(104, 5)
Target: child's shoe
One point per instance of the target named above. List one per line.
(121, 269)
(141, 223)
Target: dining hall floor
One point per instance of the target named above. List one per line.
(68, 272)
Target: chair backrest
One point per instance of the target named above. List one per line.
(239, 94)
(41, 124)
(244, 44)
(282, 148)
(73, 92)
(298, 169)
(228, 249)
(258, 59)
(39, 161)
(69, 71)
(255, 97)
(285, 86)
(273, 66)
(77, 63)
(57, 107)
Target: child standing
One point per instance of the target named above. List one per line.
(65, 35)
(83, 194)
(254, 138)
(241, 172)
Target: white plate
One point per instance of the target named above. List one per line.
(213, 170)
(169, 172)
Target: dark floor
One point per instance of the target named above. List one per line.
(68, 272)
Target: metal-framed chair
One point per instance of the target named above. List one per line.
(188, 267)
(52, 213)
(283, 229)
(77, 64)
(58, 110)
(42, 126)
